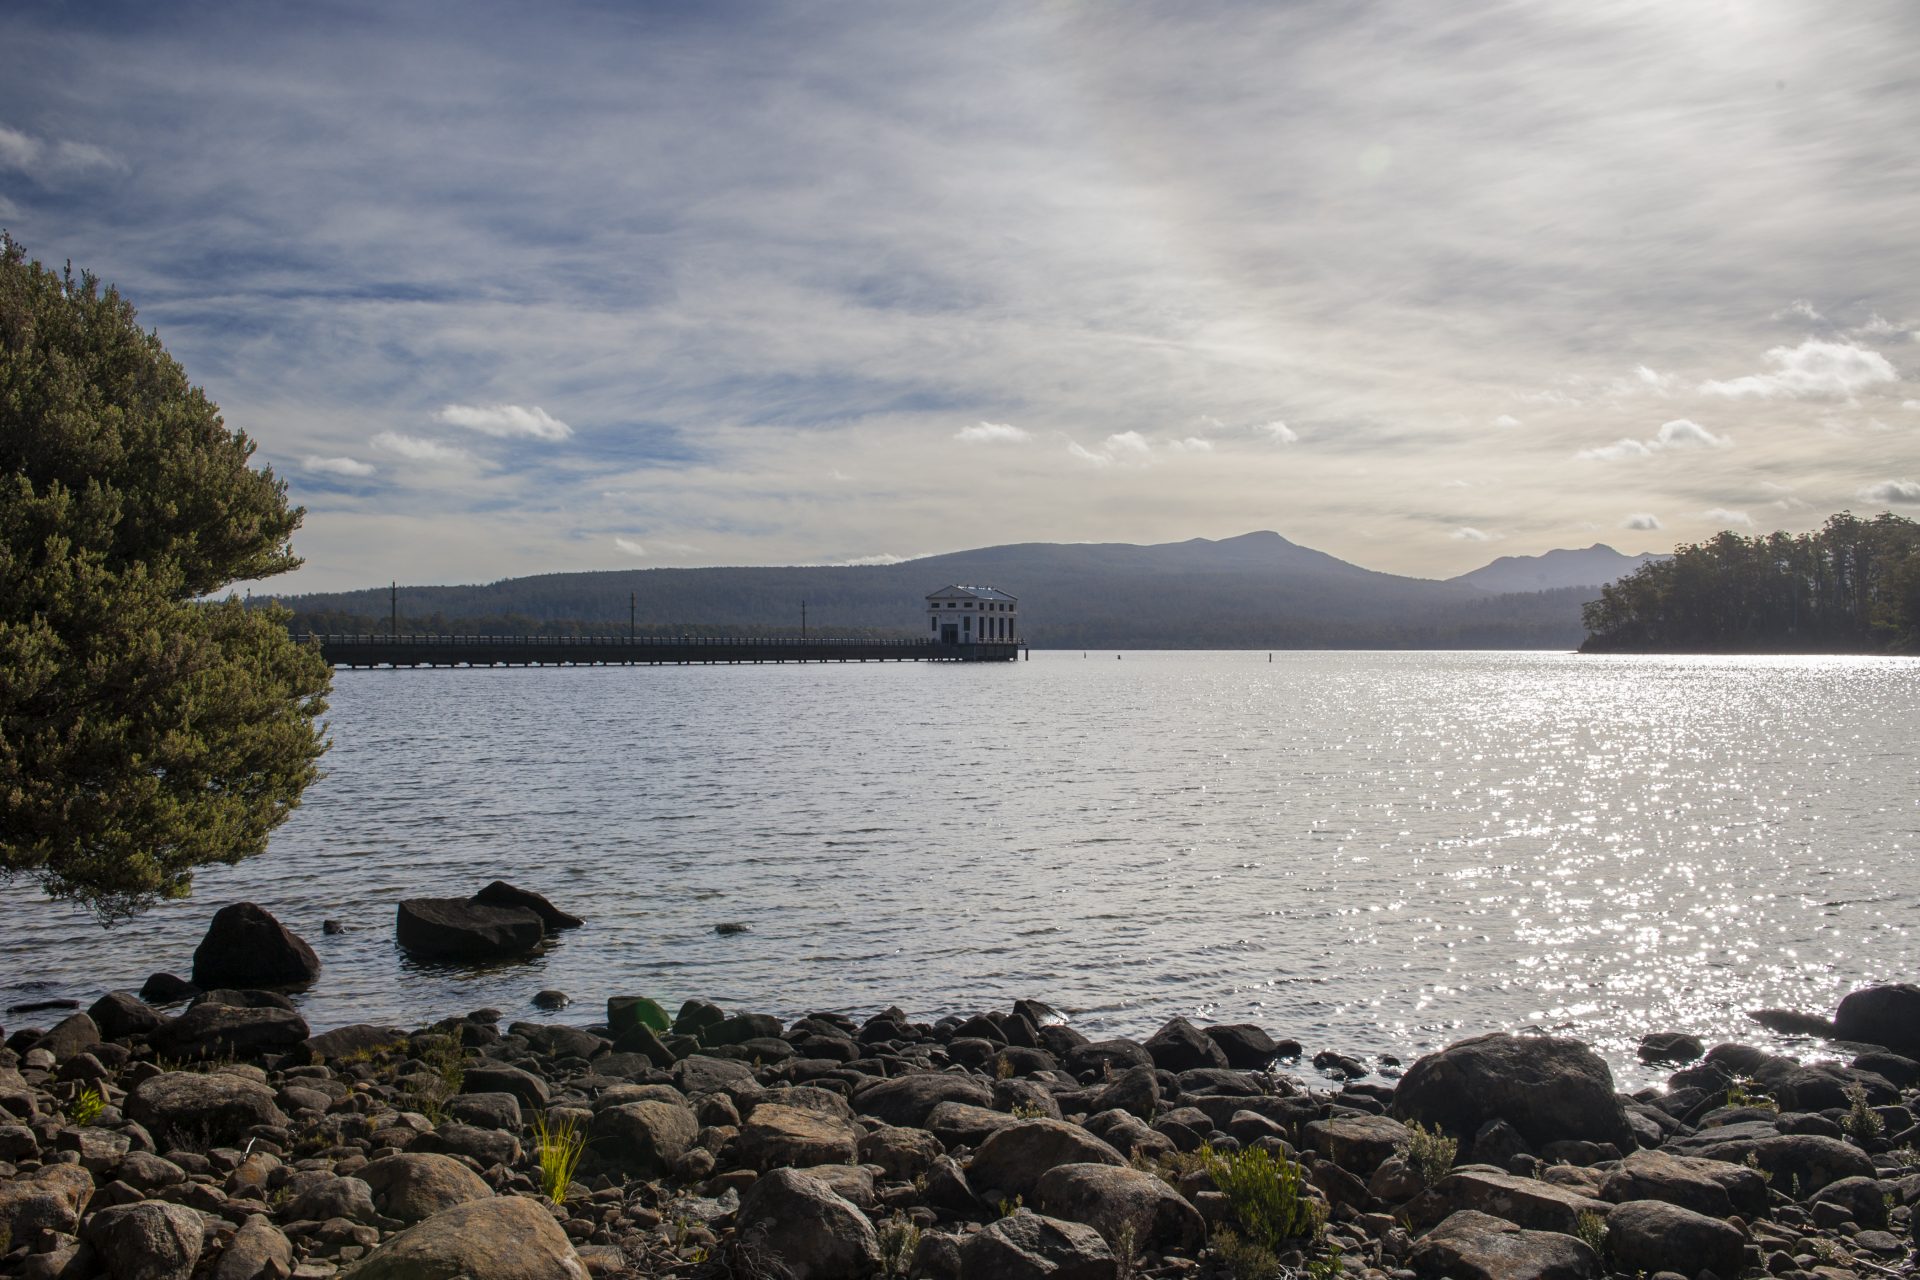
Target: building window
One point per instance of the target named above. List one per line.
(935, 622)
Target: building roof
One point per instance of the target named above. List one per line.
(971, 593)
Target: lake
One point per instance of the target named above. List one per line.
(1372, 852)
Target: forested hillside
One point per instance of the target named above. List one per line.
(1851, 586)
(1254, 591)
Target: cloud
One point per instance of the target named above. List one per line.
(629, 546)
(880, 559)
(1466, 534)
(1901, 492)
(415, 449)
(27, 154)
(1619, 451)
(992, 433)
(1910, 404)
(1800, 309)
(337, 466)
(1506, 420)
(1814, 369)
(506, 421)
(1190, 444)
(1644, 521)
(1123, 448)
(1681, 433)
(1278, 431)
(1725, 516)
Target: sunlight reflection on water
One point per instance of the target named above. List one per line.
(1376, 852)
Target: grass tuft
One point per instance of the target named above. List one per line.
(557, 1151)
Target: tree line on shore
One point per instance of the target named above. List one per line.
(1850, 586)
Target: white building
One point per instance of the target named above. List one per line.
(973, 615)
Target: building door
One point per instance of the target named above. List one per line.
(950, 634)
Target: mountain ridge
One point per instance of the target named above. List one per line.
(1255, 590)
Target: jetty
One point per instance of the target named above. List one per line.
(626, 651)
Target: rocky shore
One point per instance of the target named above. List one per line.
(208, 1132)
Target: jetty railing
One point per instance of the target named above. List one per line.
(437, 650)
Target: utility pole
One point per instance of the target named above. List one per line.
(393, 609)
(633, 607)
(803, 619)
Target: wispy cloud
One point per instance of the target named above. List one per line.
(1722, 515)
(992, 433)
(1681, 433)
(1814, 369)
(417, 449)
(630, 546)
(506, 420)
(341, 466)
(1466, 533)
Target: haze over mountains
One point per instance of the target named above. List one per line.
(1257, 590)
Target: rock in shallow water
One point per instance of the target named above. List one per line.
(246, 947)
(459, 929)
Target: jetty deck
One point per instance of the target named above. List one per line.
(624, 651)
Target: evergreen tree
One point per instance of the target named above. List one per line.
(1851, 586)
(144, 732)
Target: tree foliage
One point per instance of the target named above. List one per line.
(1851, 586)
(143, 732)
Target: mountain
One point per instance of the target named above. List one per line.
(1592, 567)
(1254, 591)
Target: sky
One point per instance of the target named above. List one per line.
(509, 289)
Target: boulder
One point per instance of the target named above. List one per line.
(1673, 1047)
(51, 1198)
(1103, 1056)
(1863, 1200)
(485, 1110)
(487, 1147)
(1013, 1160)
(907, 1100)
(644, 1138)
(457, 929)
(71, 1036)
(1652, 1235)
(1135, 1091)
(795, 1220)
(122, 1016)
(1358, 1144)
(1109, 1199)
(503, 1238)
(1812, 1160)
(413, 1187)
(1027, 1246)
(167, 988)
(246, 947)
(1526, 1202)
(1712, 1187)
(1180, 1046)
(355, 1038)
(151, 1240)
(626, 1013)
(206, 1109)
(1248, 1048)
(1792, 1022)
(317, 1195)
(221, 1030)
(1548, 1088)
(776, 1135)
(529, 1088)
(957, 1124)
(259, 1249)
(1888, 1016)
(697, 1075)
(502, 894)
(1475, 1246)
(901, 1154)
